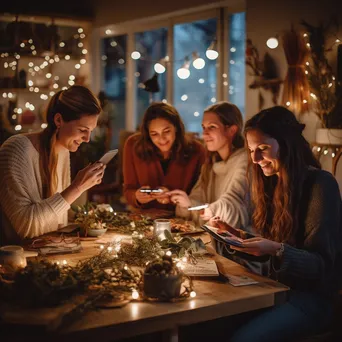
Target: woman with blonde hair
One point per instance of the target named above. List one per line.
(35, 168)
(161, 156)
(223, 180)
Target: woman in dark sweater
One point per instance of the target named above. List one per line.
(298, 216)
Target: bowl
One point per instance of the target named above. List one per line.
(96, 232)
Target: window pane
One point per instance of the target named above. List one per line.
(237, 39)
(194, 94)
(152, 46)
(114, 83)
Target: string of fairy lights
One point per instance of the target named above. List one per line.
(36, 68)
(193, 59)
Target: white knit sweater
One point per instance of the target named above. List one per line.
(227, 192)
(24, 213)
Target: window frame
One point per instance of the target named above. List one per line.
(167, 21)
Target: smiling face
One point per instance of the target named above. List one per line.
(217, 136)
(163, 134)
(73, 133)
(264, 151)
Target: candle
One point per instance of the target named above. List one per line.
(160, 225)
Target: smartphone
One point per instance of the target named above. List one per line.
(199, 207)
(151, 190)
(107, 157)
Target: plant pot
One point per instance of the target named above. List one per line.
(329, 136)
(96, 232)
(161, 286)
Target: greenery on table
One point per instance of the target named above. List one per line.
(106, 275)
(118, 222)
(43, 283)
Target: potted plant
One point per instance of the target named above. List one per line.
(162, 279)
(325, 102)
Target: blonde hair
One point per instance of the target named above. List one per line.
(72, 104)
(229, 114)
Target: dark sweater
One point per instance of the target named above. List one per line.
(314, 263)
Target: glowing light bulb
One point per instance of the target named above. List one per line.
(135, 294)
(211, 54)
(183, 73)
(192, 294)
(272, 43)
(135, 55)
(198, 63)
(159, 68)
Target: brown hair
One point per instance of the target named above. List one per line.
(182, 147)
(276, 198)
(229, 114)
(72, 104)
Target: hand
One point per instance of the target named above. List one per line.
(180, 198)
(258, 246)
(89, 176)
(162, 197)
(223, 226)
(144, 197)
(206, 214)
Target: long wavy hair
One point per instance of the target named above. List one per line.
(72, 104)
(276, 198)
(182, 147)
(229, 114)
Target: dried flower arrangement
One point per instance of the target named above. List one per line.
(320, 73)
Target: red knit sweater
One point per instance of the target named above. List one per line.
(138, 172)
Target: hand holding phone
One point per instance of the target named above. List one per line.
(108, 156)
(149, 191)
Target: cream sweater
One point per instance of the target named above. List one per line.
(227, 192)
(24, 213)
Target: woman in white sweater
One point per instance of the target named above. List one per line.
(223, 180)
(35, 168)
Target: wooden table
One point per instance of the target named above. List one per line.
(215, 299)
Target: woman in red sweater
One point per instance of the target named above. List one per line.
(161, 156)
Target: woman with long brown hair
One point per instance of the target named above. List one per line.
(223, 180)
(298, 217)
(160, 156)
(35, 168)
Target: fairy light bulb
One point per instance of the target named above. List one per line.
(211, 52)
(193, 294)
(198, 62)
(135, 294)
(159, 68)
(272, 43)
(135, 55)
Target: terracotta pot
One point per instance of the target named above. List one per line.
(162, 286)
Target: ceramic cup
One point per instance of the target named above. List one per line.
(12, 256)
(159, 227)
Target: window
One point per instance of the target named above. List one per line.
(237, 39)
(113, 62)
(193, 94)
(176, 42)
(152, 46)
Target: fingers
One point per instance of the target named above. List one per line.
(174, 192)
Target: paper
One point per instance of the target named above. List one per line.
(240, 280)
(203, 268)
